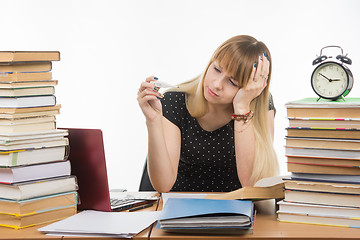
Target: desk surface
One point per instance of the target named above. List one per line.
(26, 233)
(265, 227)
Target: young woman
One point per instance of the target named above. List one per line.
(215, 132)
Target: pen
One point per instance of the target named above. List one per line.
(141, 207)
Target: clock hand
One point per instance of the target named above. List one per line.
(329, 79)
(325, 77)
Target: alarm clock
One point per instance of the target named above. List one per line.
(332, 79)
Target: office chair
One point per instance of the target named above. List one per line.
(145, 184)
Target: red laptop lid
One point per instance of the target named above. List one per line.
(87, 157)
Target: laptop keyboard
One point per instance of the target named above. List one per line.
(120, 202)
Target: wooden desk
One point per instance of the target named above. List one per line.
(30, 233)
(265, 227)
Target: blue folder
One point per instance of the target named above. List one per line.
(179, 208)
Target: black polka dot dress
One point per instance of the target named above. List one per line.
(207, 159)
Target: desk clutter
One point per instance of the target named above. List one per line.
(182, 213)
(323, 156)
(35, 182)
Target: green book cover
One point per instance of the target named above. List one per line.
(324, 103)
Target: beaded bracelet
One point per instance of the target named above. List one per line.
(243, 117)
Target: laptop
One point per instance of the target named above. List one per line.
(88, 164)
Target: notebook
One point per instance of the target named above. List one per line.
(88, 164)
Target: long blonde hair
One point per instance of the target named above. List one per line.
(237, 56)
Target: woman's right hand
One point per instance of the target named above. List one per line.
(149, 99)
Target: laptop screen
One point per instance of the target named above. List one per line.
(87, 157)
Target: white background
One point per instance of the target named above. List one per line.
(108, 47)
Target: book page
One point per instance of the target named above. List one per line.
(270, 181)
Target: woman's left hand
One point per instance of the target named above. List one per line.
(255, 86)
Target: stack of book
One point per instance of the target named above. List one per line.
(35, 182)
(323, 156)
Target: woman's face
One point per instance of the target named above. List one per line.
(219, 86)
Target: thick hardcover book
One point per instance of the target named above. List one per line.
(325, 161)
(322, 169)
(321, 197)
(19, 222)
(14, 111)
(322, 153)
(323, 143)
(15, 116)
(318, 186)
(28, 120)
(26, 102)
(318, 219)
(15, 138)
(44, 187)
(26, 67)
(24, 77)
(316, 209)
(187, 215)
(29, 91)
(324, 103)
(314, 108)
(27, 56)
(33, 156)
(37, 204)
(34, 172)
(28, 84)
(340, 178)
(26, 128)
(347, 123)
(323, 133)
(45, 143)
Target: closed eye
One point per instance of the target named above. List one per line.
(233, 82)
(217, 69)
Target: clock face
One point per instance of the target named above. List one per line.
(329, 80)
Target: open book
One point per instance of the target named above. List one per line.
(266, 188)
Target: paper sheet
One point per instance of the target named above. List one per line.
(121, 224)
